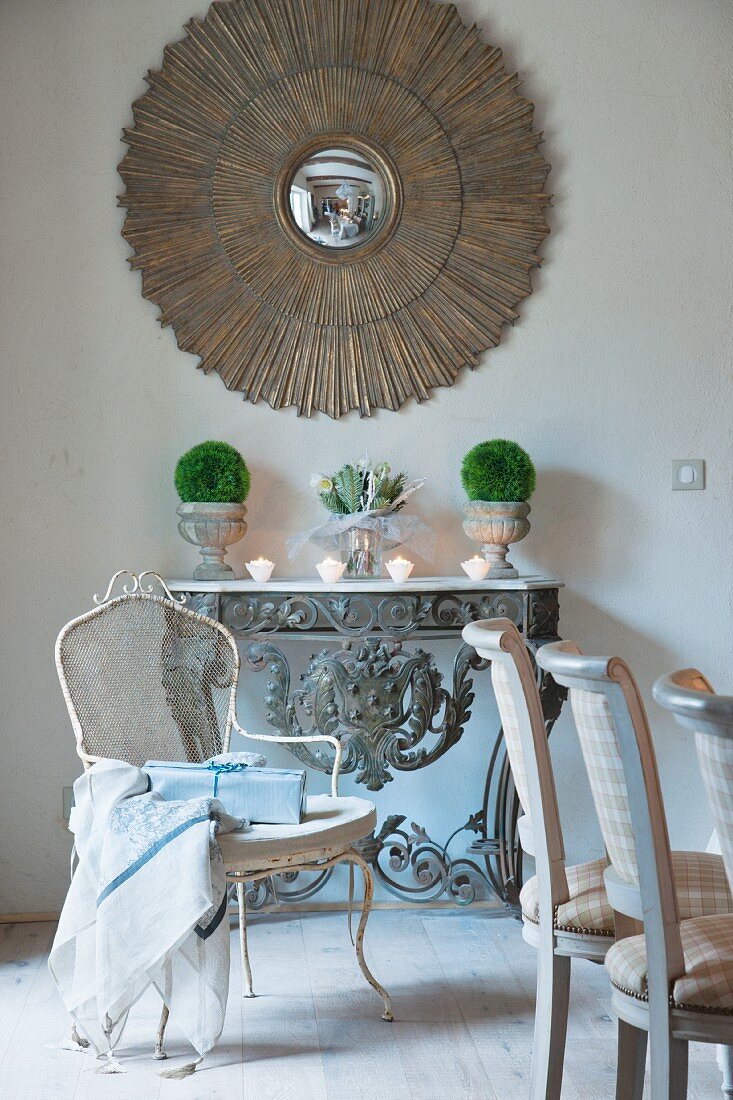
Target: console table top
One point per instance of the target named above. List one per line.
(287, 585)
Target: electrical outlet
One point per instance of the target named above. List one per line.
(68, 801)
(688, 473)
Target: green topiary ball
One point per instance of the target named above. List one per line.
(498, 470)
(212, 472)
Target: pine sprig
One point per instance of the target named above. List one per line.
(349, 484)
(333, 502)
(359, 488)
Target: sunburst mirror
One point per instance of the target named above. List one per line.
(336, 204)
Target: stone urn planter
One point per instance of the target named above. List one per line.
(212, 527)
(496, 525)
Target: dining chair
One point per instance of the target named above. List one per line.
(692, 700)
(565, 912)
(664, 980)
(144, 677)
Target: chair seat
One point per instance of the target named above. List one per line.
(329, 823)
(706, 985)
(702, 890)
(587, 909)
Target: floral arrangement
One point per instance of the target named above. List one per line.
(363, 501)
(361, 488)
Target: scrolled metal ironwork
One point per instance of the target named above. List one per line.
(413, 867)
(455, 610)
(379, 699)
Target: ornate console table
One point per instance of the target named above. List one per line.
(387, 703)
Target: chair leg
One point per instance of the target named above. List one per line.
(246, 968)
(551, 1021)
(159, 1052)
(354, 857)
(725, 1061)
(631, 1064)
(167, 993)
(668, 1060)
(82, 1044)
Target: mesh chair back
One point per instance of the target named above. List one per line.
(144, 678)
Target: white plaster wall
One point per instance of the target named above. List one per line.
(621, 362)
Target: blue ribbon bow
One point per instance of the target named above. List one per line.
(220, 769)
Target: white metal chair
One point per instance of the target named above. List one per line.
(144, 677)
(660, 987)
(565, 912)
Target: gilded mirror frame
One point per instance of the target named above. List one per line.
(368, 148)
(250, 90)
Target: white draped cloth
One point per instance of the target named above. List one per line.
(147, 905)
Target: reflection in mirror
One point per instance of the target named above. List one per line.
(337, 198)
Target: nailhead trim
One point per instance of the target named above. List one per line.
(571, 928)
(705, 1010)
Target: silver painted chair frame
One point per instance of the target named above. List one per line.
(693, 701)
(311, 855)
(540, 831)
(667, 1030)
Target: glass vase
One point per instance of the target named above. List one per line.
(364, 554)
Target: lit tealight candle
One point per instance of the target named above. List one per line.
(399, 569)
(330, 570)
(260, 570)
(476, 568)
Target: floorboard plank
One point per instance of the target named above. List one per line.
(281, 1042)
(360, 1055)
(498, 1013)
(437, 1051)
(30, 1067)
(23, 950)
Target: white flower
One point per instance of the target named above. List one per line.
(325, 485)
(316, 480)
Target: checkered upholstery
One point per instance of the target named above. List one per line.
(715, 755)
(587, 910)
(706, 985)
(702, 890)
(508, 715)
(597, 735)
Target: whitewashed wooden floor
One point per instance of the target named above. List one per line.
(462, 985)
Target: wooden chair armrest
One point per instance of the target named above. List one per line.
(281, 739)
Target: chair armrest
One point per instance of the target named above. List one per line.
(281, 739)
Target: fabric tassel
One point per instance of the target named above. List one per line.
(111, 1065)
(182, 1071)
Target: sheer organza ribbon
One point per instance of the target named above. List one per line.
(397, 530)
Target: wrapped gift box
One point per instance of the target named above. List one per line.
(267, 796)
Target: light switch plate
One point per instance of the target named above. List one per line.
(688, 473)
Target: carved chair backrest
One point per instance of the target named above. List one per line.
(619, 756)
(695, 705)
(145, 678)
(520, 710)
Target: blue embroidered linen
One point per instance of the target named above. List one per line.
(266, 796)
(146, 906)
